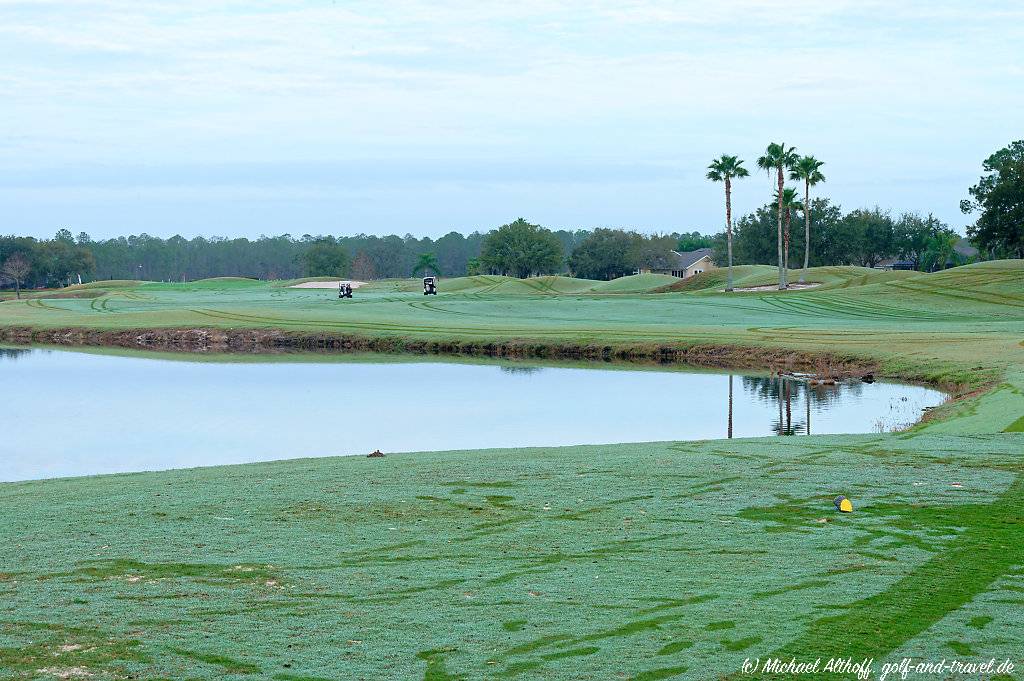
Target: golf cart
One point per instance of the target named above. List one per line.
(344, 289)
(430, 286)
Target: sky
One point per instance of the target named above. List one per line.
(243, 118)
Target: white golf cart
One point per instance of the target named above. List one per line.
(430, 286)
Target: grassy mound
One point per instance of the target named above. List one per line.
(475, 283)
(108, 283)
(560, 284)
(753, 276)
(636, 283)
(716, 279)
(67, 294)
(996, 276)
(301, 280)
(215, 282)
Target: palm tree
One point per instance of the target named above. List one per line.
(789, 203)
(779, 157)
(724, 169)
(424, 262)
(941, 251)
(807, 168)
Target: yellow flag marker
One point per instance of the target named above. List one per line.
(843, 504)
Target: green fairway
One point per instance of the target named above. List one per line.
(644, 561)
(919, 326)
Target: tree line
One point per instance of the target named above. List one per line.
(864, 236)
(519, 249)
(831, 237)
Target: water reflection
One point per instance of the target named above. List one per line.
(517, 369)
(142, 412)
(789, 395)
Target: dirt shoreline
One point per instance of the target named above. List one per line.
(210, 340)
(200, 340)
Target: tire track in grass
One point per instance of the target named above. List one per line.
(962, 294)
(803, 308)
(833, 303)
(435, 307)
(827, 307)
(38, 303)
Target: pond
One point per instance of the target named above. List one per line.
(73, 413)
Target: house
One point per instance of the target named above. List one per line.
(685, 264)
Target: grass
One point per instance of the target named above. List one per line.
(643, 561)
(926, 327)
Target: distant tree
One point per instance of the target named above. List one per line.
(808, 170)
(754, 237)
(570, 239)
(725, 169)
(789, 203)
(362, 267)
(693, 241)
(16, 268)
(940, 251)
(426, 262)
(454, 251)
(62, 258)
(999, 196)
(325, 258)
(870, 236)
(654, 252)
(473, 267)
(779, 158)
(913, 236)
(521, 249)
(604, 254)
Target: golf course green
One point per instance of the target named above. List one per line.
(641, 561)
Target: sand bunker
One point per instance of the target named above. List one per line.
(328, 284)
(775, 287)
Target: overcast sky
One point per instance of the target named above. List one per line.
(244, 118)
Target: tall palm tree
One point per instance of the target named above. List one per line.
(807, 168)
(789, 203)
(424, 262)
(724, 169)
(780, 158)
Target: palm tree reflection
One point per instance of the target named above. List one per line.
(783, 391)
(730, 406)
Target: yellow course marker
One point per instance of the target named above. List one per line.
(843, 504)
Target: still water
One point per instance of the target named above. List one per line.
(76, 413)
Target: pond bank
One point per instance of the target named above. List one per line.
(269, 340)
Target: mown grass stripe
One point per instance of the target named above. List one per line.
(989, 548)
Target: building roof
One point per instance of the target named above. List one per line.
(688, 258)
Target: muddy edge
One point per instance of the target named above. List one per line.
(204, 340)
